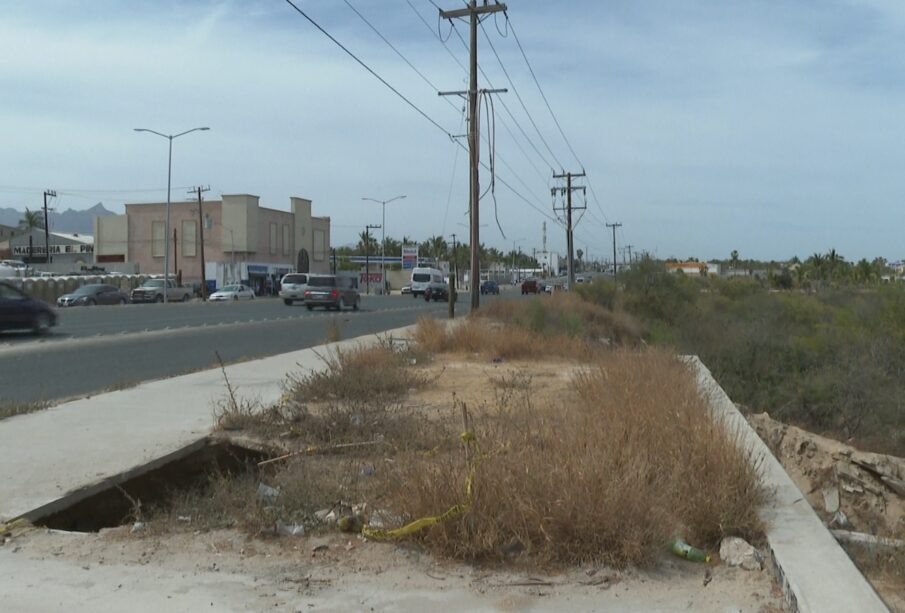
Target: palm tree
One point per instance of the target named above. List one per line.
(367, 244)
(437, 247)
(31, 221)
(580, 254)
(733, 259)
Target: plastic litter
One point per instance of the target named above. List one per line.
(682, 549)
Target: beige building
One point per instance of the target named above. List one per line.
(243, 241)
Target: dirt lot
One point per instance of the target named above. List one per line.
(176, 562)
(853, 492)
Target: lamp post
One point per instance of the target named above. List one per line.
(166, 230)
(383, 235)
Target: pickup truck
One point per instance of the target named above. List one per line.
(152, 291)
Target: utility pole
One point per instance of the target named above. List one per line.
(175, 263)
(453, 280)
(567, 192)
(629, 249)
(614, 226)
(52, 194)
(368, 229)
(473, 12)
(200, 190)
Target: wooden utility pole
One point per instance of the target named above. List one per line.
(614, 226)
(569, 207)
(629, 249)
(453, 279)
(474, 13)
(52, 194)
(200, 190)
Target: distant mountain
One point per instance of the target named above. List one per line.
(69, 221)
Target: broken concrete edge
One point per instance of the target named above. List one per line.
(101, 485)
(85, 491)
(815, 573)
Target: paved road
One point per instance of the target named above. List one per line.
(104, 348)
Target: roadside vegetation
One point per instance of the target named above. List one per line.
(827, 353)
(611, 472)
(20, 408)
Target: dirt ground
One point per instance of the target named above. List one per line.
(190, 569)
(225, 570)
(852, 491)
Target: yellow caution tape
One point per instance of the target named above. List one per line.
(411, 528)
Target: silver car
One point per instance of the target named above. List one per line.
(292, 287)
(331, 292)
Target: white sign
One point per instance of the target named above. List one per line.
(38, 249)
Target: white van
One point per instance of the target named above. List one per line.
(293, 286)
(424, 278)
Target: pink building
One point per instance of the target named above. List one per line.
(242, 241)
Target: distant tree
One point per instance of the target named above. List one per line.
(31, 220)
(733, 259)
(580, 254)
(367, 244)
(437, 247)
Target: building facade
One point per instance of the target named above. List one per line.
(242, 240)
(67, 251)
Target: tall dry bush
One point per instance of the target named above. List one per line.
(611, 479)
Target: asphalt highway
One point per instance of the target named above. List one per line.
(102, 348)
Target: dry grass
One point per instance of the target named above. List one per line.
(568, 315)
(611, 479)
(21, 408)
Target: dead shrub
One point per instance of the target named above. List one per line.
(495, 340)
(377, 372)
(566, 314)
(611, 479)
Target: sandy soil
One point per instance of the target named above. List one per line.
(186, 570)
(224, 571)
(850, 490)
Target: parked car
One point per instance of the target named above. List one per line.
(490, 287)
(406, 289)
(236, 291)
(330, 292)
(293, 286)
(19, 311)
(529, 286)
(152, 291)
(93, 294)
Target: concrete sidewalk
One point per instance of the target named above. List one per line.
(53, 458)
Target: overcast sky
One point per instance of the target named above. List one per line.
(774, 127)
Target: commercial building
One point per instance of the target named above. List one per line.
(242, 240)
(67, 251)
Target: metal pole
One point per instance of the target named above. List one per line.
(383, 246)
(166, 229)
(367, 260)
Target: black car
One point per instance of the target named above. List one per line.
(490, 287)
(92, 294)
(19, 311)
(436, 293)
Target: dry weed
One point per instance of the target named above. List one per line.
(611, 479)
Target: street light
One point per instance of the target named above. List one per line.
(383, 235)
(166, 230)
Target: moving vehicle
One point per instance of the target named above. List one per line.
(293, 286)
(92, 294)
(529, 286)
(490, 287)
(424, 278)
(437, 293)
(331, 292)
(236, 291)
(19, 311)
(406, 289)
(152, 291)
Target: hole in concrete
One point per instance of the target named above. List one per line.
(114, 506)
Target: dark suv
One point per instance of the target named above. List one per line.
(331, 292)
(490, 287)
(529, 286)
(19, 311)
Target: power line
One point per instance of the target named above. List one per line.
(368, 68)
(397, 51)
(540, 89)
(519, 97)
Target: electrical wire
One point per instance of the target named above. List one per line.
(369, 69)
(519, 97)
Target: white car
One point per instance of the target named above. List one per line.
(233, 292)
(292, 287)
